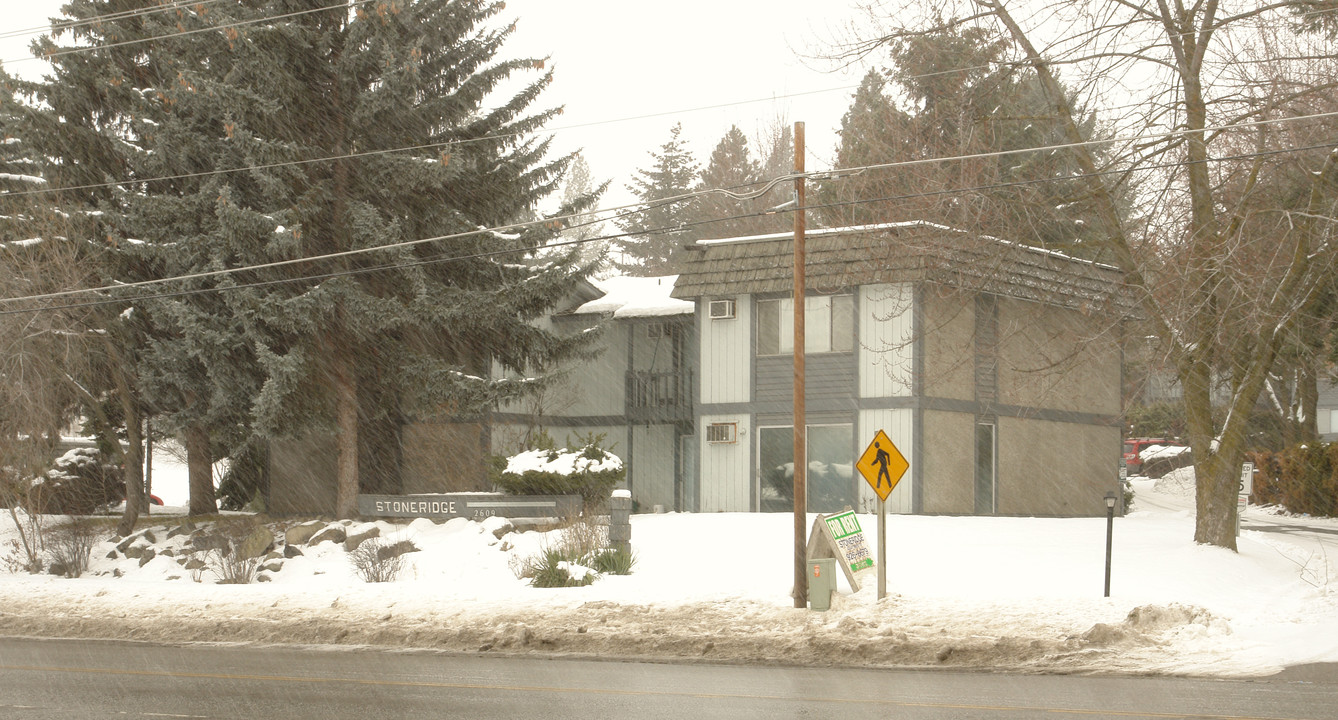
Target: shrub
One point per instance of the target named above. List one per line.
(1302, 479)
(80, 481)
(70, 546)
(567, 561)
(376, 560)
(589, 471)
(234, 550)
(615, 561)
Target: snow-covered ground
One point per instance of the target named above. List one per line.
(1006, 593)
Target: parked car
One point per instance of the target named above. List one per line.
(1134, 449)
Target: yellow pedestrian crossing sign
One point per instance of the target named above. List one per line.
(882, 465)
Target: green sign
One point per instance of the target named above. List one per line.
(849, 539)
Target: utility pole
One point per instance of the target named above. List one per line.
(800, 422)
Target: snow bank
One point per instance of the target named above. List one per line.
(1004, 593)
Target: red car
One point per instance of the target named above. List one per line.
(1133, 449)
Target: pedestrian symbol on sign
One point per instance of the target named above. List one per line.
(882, 465)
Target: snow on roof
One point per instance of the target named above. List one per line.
(909, 224)
(626, 297)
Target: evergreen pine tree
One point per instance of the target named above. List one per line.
(730, 167)
(659, 228)
(961, 101)
(412, 329)
(582, 227)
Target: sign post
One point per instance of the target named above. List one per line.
(1243, 492)
(882, 466)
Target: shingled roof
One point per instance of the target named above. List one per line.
(839, 258)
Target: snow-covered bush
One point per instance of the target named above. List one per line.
(589, 471)
(79, 482)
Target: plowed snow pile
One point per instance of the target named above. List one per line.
(1006, 593)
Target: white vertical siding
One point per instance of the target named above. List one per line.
(725, 484)
(726, 348)
(885, 334)
(898, 426)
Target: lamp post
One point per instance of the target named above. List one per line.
(1110, 531)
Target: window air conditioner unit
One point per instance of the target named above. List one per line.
(722, 433)
(722, 309)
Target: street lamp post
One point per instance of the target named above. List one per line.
(1110, 531)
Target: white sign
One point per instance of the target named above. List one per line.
(1246, 479)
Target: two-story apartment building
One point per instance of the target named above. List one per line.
(634, 391)
(994, 367)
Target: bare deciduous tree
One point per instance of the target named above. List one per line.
(1211, 113)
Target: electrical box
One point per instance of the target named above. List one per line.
(821, 583)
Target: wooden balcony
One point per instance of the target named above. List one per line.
(659, 397)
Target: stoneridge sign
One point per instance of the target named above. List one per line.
(474, 506)
(840, 536)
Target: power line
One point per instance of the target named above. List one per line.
(211, 28)
(836, 173)
(561, 244)
(122, 15)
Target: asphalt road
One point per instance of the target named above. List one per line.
(92, 680)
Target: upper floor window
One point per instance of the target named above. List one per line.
(829, 325)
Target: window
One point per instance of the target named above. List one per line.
(829, 481)
(829, 325)
(985, 468)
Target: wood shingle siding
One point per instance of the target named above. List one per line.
(894, 253)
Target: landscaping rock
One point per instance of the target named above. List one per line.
(204, 542)
(256, 543)
(183, 529)
(395, 550)
(352, 542)
(500, 526)
(333, 533)
(147, 556)
(301, 534)
(194, 564)
(272, 566)
(292, 551)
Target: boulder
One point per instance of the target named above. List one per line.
(148, 555)
(394, 550)
(352, 542)
(301, 534)
(204, 542)
(292, 551)
(256, 543)
(333, 533)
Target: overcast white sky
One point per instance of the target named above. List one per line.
(616, 59)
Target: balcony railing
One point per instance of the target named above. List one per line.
(659, 396)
